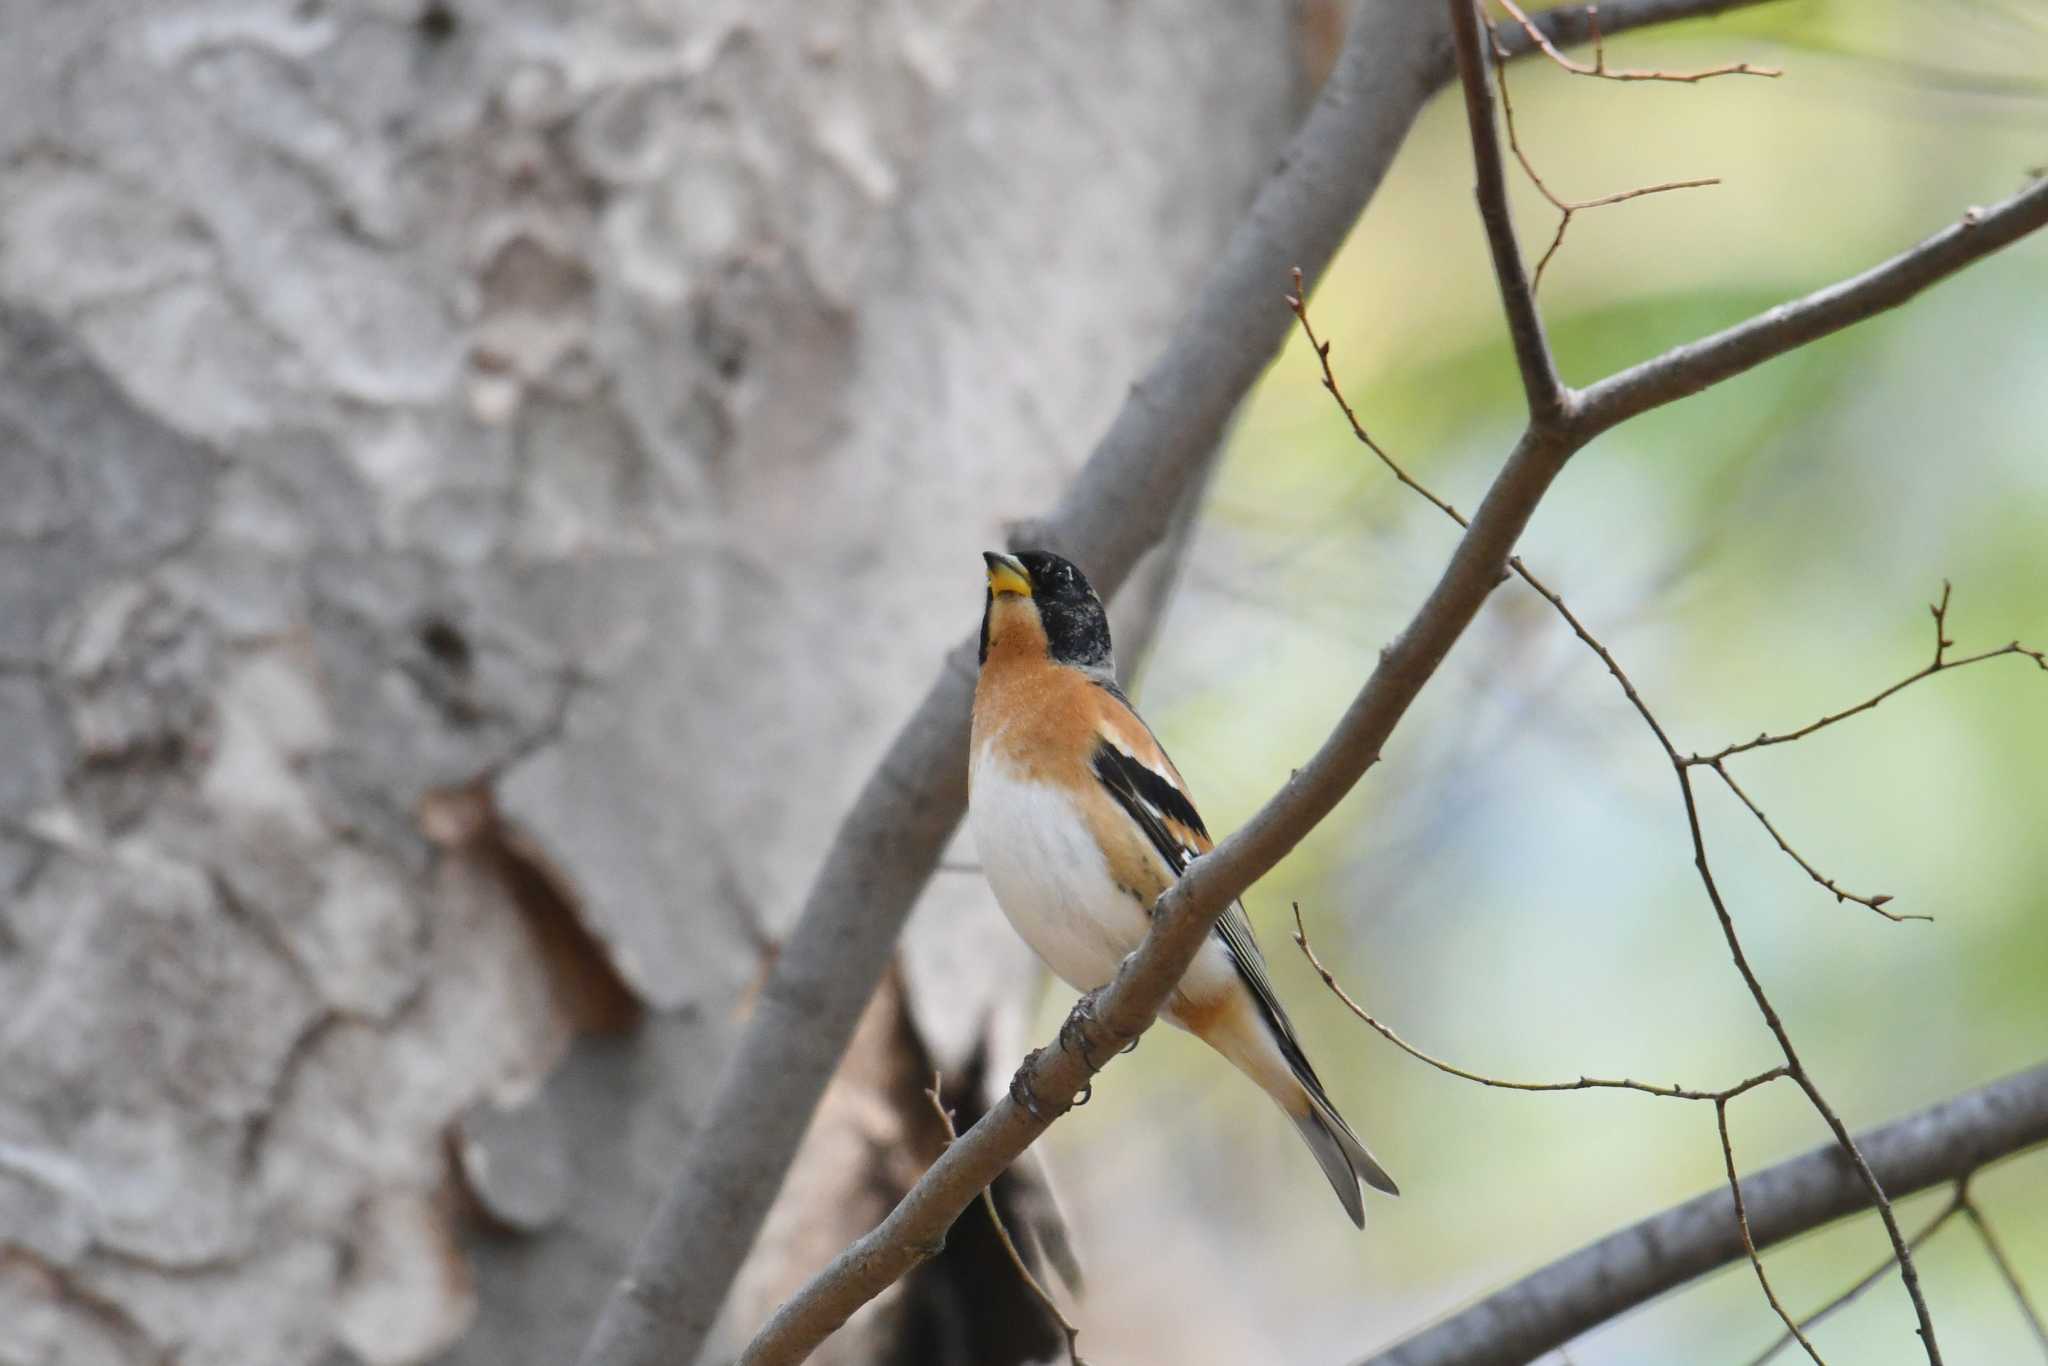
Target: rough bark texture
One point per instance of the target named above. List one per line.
(483, 481)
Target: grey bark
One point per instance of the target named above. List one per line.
(482, 484)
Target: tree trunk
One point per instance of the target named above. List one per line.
(482, 485)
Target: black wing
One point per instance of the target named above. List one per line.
(1163, 811)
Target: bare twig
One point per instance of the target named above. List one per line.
(1875, 903)
(1549, 400)
(988, 1201)
(2005, 1269)
(1940, 664)
(1672, 1092)
(1566, 208)
(1297, 303)
(1872, 1277)
(1749, 1242)
(1633, 1265)
(1599, 66)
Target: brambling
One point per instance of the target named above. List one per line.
(1083, 822)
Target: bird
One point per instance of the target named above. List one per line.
(1081, 822)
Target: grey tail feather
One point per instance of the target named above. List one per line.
(1344, 1160)
(1329, 1151)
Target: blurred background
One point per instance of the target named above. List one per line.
(485, 481)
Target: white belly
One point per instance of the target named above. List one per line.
(1052, 882)
(1050, 877)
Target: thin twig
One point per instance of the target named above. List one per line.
(1566, 208)
(1872, 1277)
(988, 1201)
(1748, 1242)
(1875, 903)
(1672, 1092)
(1940, 664)
(1550, 402)
(2005, 1269)
(1599, 65)
(1298, 303)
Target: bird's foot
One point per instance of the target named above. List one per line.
(1020, 1093)
(1075, 1029)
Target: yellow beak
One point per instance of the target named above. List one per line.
(1006, 576)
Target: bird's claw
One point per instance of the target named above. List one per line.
(1021, 1095)
(1074, 1029)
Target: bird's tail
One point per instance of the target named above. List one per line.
(1344, 1159)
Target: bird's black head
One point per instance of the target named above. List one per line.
(1038, 593)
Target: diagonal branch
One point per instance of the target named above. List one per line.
(1605, 1279)
(1549, 400)
(1695, 366)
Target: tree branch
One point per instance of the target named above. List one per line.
(1551, 1306)
(1395, 57)
(1690, 368)
(1549, 400)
